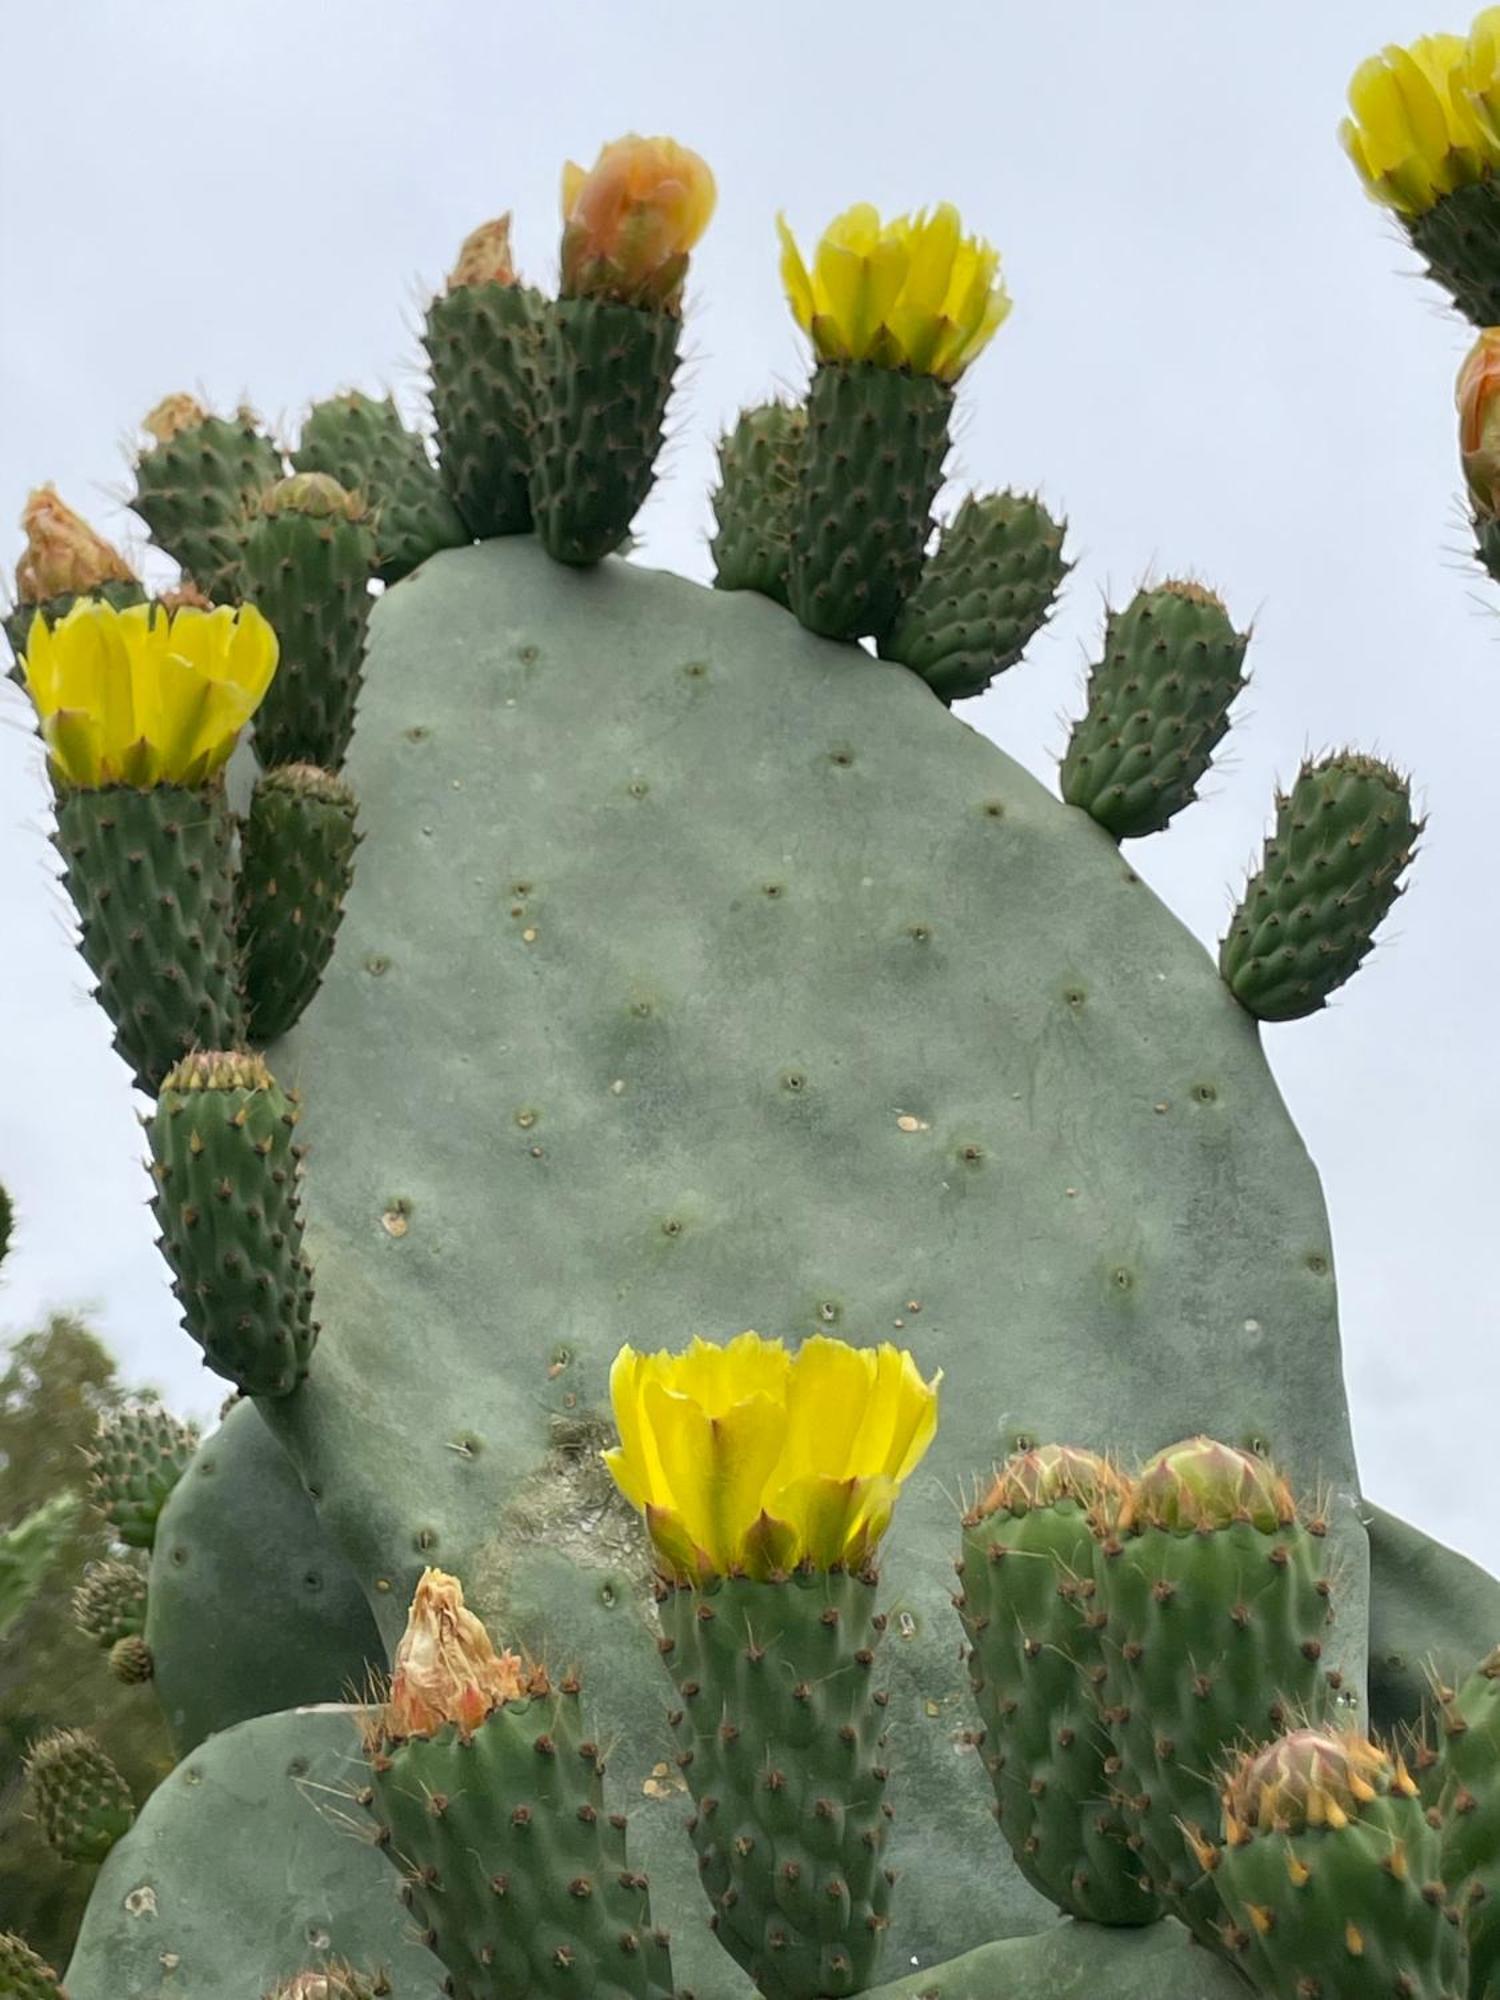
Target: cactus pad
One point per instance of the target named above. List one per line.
(138, 1455)
(362, 443)
(1331, 871)
(1469, 1803)
(481, 342)
(984, 593)
(1158, 706)
(753, 505)
(231, 1227)
(149, 874)
(191, 488)
(308, 559)
(81, 1802)
(110, 1602)
(24, 1976)
(297, 847)
(1460, 238)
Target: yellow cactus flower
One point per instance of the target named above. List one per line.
(484, 256)
(745, 1459)
(63, 554)
(912, 293)
(146, 697)
(1483, 77)
(1416, 133)
(630, 221)
(1479, 421)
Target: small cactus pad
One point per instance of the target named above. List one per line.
(1158, 706)
(1218, 1605)
(109, 1603)
(297, 847)
(231, 1227)
(781, 1721)
(24, 1976)
(192, 484)
(309, 556)
(131, 1661)
(1460, 238)
(362, 443)
(758, 461)
(149, 874)
(481, 340)
(138, 1455)
(1029, 1604)
(984, 593)
(1330, 873)
(1469, 1806)
(870, 468)
(1329, 1875)
(81, 1802)
(605, 376)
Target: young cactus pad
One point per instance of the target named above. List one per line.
(362, 443)
(81, 1802)
(810, 997)
(138, 1455)
(192, 483)
(297, 845)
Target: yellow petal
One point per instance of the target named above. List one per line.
(715, 1467)
(72, 737)
(826, 1404)
(795, 281)
(572, 184)
(935, 246)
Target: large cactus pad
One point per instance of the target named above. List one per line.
(702, 974)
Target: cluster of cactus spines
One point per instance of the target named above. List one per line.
(1329, 1875)
(297, 843)
(193, 483)
(984, 593)
(151, 877)
(781, 1721)
(309, 554)
(23, 1975)
(1218, 1600)
(138, 1455)
(481, 336)
(1158, 706)
(1344, 836)
(132, 1661)
(758, 461)
(228, 1208)
(109, 1601)
(79, 1800)
(487, 1792)
(1037, 1631)
(1466, 1785)
(361, 442)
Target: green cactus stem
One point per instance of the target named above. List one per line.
(482, 340)
(227, 1206)
(1218, 1605)
(1158, 706)
(1469, 1808)
(781, 1725)
(984, 593)
(1330, 873)
(753, 504)
(24, 1976)
(1329, 1875)
(297, 847)
(362, 443)
(1029, 1604)
(192, 485)
(309, 556)
(81, 1802)
(151, 878)
(871, 466)
(109, 1603)
(139, 1454)
(30, 1549)
(605, 373)
(1460, 238)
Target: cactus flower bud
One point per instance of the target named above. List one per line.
(1044, 1474)
(446, 1668)
(630, 221)
(1201, 1483)
(63, 554)
(1312, 1777)
(484, 256)
(1479, 422)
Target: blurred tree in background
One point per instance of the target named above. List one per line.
(56, 1383)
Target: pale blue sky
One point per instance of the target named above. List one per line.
(1220, 360)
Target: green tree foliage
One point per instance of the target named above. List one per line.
(54, 1387)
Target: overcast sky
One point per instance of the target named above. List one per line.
(1220, 361)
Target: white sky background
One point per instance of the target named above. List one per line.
(1219, 360)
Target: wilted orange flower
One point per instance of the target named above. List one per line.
(63, 554)
(446, 1668)
(630, 221)
(484, 256)
(173, 415)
